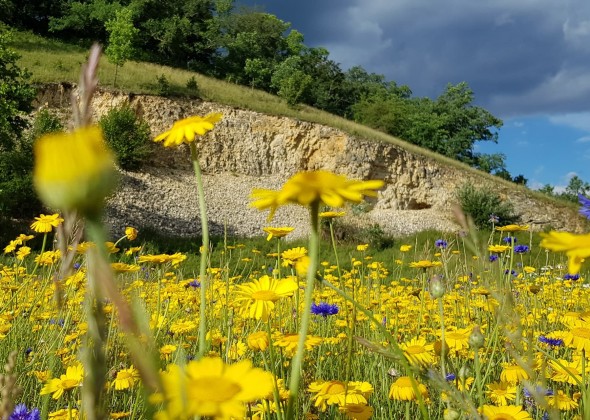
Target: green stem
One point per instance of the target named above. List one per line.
(297, 361)
(204, 252)
(41, 253)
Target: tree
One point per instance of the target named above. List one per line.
(16, 95)
(290, 81)
(520, 179)
(575, 186)
(121, 36)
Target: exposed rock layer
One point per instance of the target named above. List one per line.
(252, 150)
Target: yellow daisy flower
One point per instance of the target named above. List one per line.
(68, 381)
(126, 378)
(305, 188)
(74, 171)
(187, 129)
(46, 222)
(402, 390)
(211, 388)
(513, 373)
(501, 393)
(418, 352)
(511, 412)
(498, 249)
(258, 340)
(425, 264)
(259, 296)
(576, 247)
(277, 232)
(562, 401)
(131, 233)
(513, 228)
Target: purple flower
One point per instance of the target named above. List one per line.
(585, 203)
(450, 377)
(551, 341)
(194, 284)
(509, 240)
(521, 249)
(21, 413)
(510, 272)
(573, 277)
(493, 257)
(440, 243)
(493, 218)
(324, 309)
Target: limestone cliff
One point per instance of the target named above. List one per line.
(248, 150)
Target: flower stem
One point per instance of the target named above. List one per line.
(296, 363)
(41, 253)
(204, 252)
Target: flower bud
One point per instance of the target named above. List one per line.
(476, 339)
(74, 171)
(437, 288)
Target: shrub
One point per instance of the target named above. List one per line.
(481, 203)
(18, 198)
(162, 86)
(192, 85)
(127, 136)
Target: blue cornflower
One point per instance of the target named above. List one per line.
(510, 272)
(521, 249)
(440, 243)
(551, 341)
(493, 257)
(61, 322)
(324, 309)
(540, 390)
(509, 240)
(77, 266)
(573, 277)
(194, 283)
(585, 203)
(450, 377)
(21, 413)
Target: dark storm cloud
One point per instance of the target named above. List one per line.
(520, 57)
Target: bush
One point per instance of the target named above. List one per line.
(127, 136)
(192, 85)
(18, 198)
(481, 203)
(162, 86)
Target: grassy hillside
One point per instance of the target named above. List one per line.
(52, 61)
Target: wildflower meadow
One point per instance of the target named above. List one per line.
(467, 325)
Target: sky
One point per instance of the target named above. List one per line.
(527, 61)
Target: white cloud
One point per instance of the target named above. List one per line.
(579, 120)
(584, 139)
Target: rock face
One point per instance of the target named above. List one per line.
(251, 150)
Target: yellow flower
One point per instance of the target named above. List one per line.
(291, 256)
(187, 129)
(578, 337)
(277, 232)
(124, 268)
(290, 341)
(498, 249)
(209, 387)
(402, 389)
(562, 401)
(362, 247)
(418, 352)
(425, 264)
(332, 214)
(111, 247)
(337, 392)
(458, 339)
(405, 248)
(512, 412)
(126, 378)
(513, 228)
(131, 233)
(501, 392)
(22, 252)
(64, 414)
(357, 411)
(12, 246)
(183, 326)
(565, 371)
(259, 296)
(258, 341)
(70, 380)
(45, 223)
(74, 171)
(305, 188)
(576, 247)
(513, 373)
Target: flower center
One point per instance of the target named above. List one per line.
(267, 295)
(335, 388)
(502, 416)
(213, 389)
(69, 383)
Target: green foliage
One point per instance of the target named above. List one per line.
(163, 85)
(192, 85)
(290, 81)
(121, 36)
(481, 203)
(16, 95)
(127, 136)
(18, 198)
